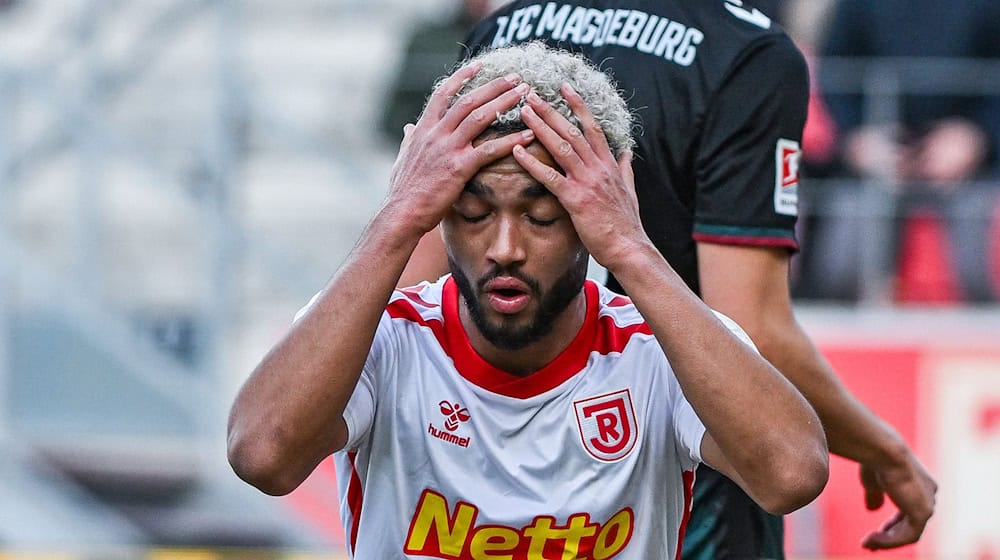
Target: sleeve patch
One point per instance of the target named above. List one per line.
(787, 155)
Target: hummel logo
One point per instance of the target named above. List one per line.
(455, 414)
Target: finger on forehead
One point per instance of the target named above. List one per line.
(592, 129)
(493, 149)
(563, 126)
(440, 97)
(547, 175)
(477, 98)
(560, 148)
(482, 117)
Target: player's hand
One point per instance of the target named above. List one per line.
(596, 190)
(911, 489)
(437, 157)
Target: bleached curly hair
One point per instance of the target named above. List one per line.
(546, 69)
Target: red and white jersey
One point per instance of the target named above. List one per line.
(592, 457)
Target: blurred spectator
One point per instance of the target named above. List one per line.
(430, 53)
(938, 150)
(806, 21)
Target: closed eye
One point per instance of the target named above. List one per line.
(543, 223)
(473, 219)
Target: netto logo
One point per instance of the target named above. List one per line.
(454, 413)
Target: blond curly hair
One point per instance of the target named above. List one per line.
(546, 69)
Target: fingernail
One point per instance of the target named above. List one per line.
(533, 97)
(522, 88)
(527, 134)
(569, 88)
(512, 78)
(527, 110)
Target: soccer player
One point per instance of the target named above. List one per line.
(514, 409)
(720, 92)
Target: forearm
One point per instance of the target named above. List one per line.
(756, 296)
(428, 261)
(852, 430)
(764, 427)
(888, 467)
(288, 415)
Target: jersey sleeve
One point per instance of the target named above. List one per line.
(737, 330)
(688, 430)
(747, 160)
(360, 411)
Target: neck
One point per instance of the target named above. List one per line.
(536, 355)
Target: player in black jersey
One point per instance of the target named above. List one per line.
(721, 92)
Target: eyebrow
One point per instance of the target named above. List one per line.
(477, 188)
(537, 190)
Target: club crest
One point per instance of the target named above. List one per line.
(607, 425)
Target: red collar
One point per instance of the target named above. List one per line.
(474, 368)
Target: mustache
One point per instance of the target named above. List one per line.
(498, 271)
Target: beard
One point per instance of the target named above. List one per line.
(506, 334)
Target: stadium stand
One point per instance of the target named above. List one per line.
(176, 178)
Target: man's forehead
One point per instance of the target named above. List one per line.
(508, 164)
(484, 187)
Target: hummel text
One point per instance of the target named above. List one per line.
(446, 436)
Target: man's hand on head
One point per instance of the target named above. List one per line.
(437, 156)
(597, 190)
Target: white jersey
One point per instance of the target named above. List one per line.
(592, 457)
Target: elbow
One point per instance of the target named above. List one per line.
(797, 482)
(260, 464)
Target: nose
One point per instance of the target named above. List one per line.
(506, 247)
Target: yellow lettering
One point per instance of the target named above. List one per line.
(437, 532)
(619, 529)
(538, 533)
(494, 539)
(575, 531)
(451, 532)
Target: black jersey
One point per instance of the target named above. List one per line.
(720, 92)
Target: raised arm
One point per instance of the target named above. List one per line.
(761, 432)
(428, 261)
(288, 415)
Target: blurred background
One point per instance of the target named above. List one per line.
(178, 177)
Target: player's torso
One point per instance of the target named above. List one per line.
(453, 470)
(678, 54)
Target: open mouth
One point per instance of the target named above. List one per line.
(507, 295)
(507, 292)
